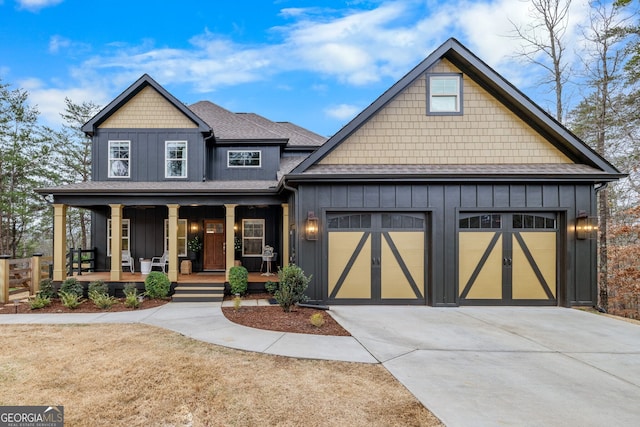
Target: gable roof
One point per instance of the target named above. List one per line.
(133, 90)
(494, 84)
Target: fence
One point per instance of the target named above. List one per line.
(22, 275)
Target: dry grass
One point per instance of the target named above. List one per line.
(134, 375)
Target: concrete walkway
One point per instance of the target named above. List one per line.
(472, 366)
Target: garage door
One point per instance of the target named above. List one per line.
(507, 258)
(376, 257)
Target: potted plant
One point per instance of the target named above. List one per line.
(195, 246)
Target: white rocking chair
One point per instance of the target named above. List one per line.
(127, 261)
(160, 261)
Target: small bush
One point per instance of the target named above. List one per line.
(71, 285)
(291, 287)
(39, 301)
(316, 319)
(70, 300)
(237, 302)
(46, 289)
(238, 279)
(271, 287)
(101, 300)
(157, 285)
(98, 286)
(131, 296)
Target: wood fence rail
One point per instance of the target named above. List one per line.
(22, 275)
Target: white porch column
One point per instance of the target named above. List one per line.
(230, 220)
(116, 242)
(173, 242)
(284, 258)
(59, 242)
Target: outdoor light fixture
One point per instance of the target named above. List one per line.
(194, 227)
(311, 226)
(586, 226)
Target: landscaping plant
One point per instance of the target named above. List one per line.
(238, 279)
(70, 299)
(316, 319)
(237, 302)
(72, 286)
(131, 296)
(291, 287)
(157, 285)
(98, 286)
(40, 301)
(46, 289)
(101, 300)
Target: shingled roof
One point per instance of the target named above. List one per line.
(229, 126)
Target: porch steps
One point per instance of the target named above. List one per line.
(198, 292)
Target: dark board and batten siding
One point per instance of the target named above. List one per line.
(147, 153)
(441, 204)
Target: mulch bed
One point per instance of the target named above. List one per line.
(86, 307)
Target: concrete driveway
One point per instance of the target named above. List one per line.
(507, 366)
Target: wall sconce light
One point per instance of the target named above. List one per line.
(311, 226)
(194, 227)
(586, 226)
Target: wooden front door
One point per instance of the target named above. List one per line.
(214, 245)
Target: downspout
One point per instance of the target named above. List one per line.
(293, 254)
(601, 187)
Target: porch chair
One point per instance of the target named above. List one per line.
(160, 261)
(127, 261)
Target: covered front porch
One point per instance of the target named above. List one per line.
(204, 277)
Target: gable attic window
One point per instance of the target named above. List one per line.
(444, 94)
(119, 165)
(175, 158)
(244, 159)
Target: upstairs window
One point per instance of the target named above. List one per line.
(244, 159)
(175, 158)
(445, 94)
(119, 155)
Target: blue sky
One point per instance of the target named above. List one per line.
(314, 63)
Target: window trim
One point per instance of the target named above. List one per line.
(182, 240)
(125, 236)
(229, 165)
(110, 159)
(262, 238)
(184, 160)
(459, 99)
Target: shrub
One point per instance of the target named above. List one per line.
(98, 286)
(101, 300)
(46, 289)
(131, 296)
(238, 279)
(69, 299)
(40, 301)
(157, 285)
(271, 287)
(316, 319)
(291, 286)
(237, 302)
(72, 286)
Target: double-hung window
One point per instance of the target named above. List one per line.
(252, 237)
(175, 158)
(244, 159)
(126, 232)
(182, 236)
(119, 156)
(444, 93)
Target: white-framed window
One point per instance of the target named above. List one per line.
(175, 158)
(119, 159)
(126, 233)
(444, 93)
(182, 236)
(244, 158)
(252, 237)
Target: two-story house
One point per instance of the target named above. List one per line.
(451, 188)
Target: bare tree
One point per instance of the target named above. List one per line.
(544, 44)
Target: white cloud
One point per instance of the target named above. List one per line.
(35, 5)
(342, 111)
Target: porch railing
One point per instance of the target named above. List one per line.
(81, 260)
(22, 275)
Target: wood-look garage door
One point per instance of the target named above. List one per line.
(376, 257)
(508, 258)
